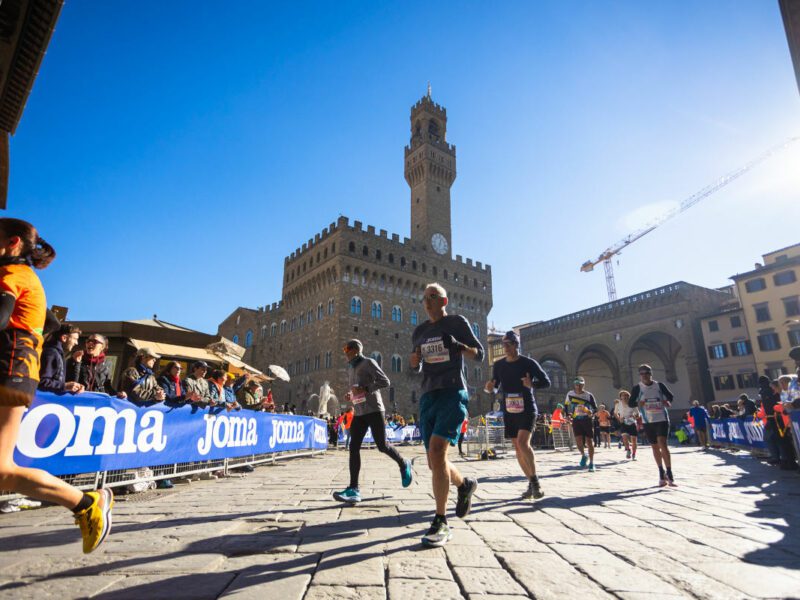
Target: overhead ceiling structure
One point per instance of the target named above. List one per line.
(25, 30)
(790, 11)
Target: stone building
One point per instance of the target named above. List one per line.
(606, 343)
(353, 281)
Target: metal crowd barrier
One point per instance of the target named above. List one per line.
(126, 477)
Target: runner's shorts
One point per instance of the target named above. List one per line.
(582, 426)
(514, 422)
(653, 431)
(605, 429)
(441, 413)
(628, 429)
(17, 392)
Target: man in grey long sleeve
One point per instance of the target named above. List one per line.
(440, 345)
(366, 379)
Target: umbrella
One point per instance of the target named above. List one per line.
(279, 372)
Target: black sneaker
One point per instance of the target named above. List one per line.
(464, 501)
(537, 490)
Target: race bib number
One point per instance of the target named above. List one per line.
(629, 420)
(515, 403)
(653, 405)
(434, 351)
(358, 398)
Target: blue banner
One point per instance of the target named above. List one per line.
(745, 433)
(409, 433)
(66, 434)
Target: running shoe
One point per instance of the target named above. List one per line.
(405, 473)
(95, 521)
(537, 490)
(349, 495)
(583, 460)
(633, 456)
(528, 493)
(671, 483)
(662, 483)
(591, 467)
(464, 500)
(628, 454)
(438, 535)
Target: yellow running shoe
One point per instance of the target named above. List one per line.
(95, 521)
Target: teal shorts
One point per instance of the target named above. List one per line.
(441, 413)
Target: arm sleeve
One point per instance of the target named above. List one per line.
(379, 379)
(495, 374)
(467, 336)
(633, 401)
(7, 302)
(540, 378)
(665, 390)
(72, 371)
(592, 403)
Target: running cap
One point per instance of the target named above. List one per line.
(511, 336)
(579, 379)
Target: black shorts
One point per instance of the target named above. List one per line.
(653, 431)
(514, 422)
(605, 429)
(582, 427)
(628, 429)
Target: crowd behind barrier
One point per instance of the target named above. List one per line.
(92, 439)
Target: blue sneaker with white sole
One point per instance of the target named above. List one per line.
(349, 495)
(584, 458)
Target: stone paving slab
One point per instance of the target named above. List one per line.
(730, 530)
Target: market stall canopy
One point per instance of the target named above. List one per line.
(173, 350)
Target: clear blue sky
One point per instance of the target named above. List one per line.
(174, 153)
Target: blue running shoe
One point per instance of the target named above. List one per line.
(583, 460)
(405, 473)
(591, 467)
(349, 495)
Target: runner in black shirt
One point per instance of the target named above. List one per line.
(517, 376)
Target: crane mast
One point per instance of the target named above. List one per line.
(606, 256)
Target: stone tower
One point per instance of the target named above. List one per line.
(430, 170)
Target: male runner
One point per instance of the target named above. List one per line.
(440, 345)
(517, 376)
(580, 407)
(366, 380)
(627, 418)
(604, 421)
(653, 399)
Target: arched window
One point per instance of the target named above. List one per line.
(377, 310)
(355, 305)
(248, 338)
(402, 261)
(235, 339)
(434, 270)
(391, 258)
(476, 329)
(263, 331)
(283, 326)
(444, 273)
(273, 329)
(294, 324)
(351, 246)
(302, 320)
(365, 251)
(414, 265)
(346, 274)
(413, 317)
(397, 314)
(320, 311)
(376, 356)
(309, 317)
(377, 254)
(330, 306)
(397, 364)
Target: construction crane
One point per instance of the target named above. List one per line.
(607, 254)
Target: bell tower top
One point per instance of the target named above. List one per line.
(430, 170)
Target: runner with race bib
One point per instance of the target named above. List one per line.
(653, 398)
(517, 376)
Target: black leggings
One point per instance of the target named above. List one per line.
(358, 430)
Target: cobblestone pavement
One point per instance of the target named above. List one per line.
(729, 531)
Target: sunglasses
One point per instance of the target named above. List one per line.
(432, 296)
(645, 372)
(93, 341)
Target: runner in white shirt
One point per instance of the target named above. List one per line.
(627, 419)
(653, 398)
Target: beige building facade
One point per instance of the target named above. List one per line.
(353, 281)
(731, 364)
(770, 300)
